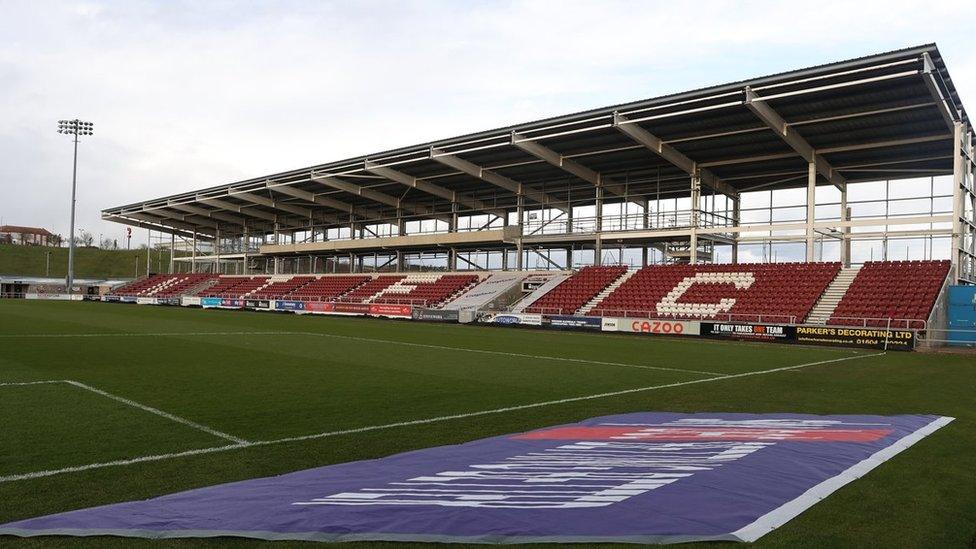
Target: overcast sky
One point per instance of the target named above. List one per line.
(186, 95)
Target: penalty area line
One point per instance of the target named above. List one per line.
(504, 353)
(132, 403)
(25, 383)
(437, 419)
(370, 340)
(158, 412)
(140, 334)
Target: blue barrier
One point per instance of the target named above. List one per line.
(286, 305)
(962, 315)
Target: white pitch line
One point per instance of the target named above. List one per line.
(504, 353)
(552, 402)
(370, 340)
(141, 334)
(159, 412)
(23, 383)
(119, 462)
(215, 449)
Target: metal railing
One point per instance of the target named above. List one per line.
(878, 322)
(760, 318)
(676, 219)
(942, 337)
(654, 315)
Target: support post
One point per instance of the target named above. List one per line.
(216, 250)
(148, 250)
(172, 251)
(695, 205)
(277, 260)
(520, 211)
(452, 226)
(736, 220)
(598, 244)
(193, 254)
(958, 165)
(245, 241)
(811, 207)
(845, 242)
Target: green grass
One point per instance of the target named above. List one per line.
(89, 262)
(311, 375)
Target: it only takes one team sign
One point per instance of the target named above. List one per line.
(641, 478)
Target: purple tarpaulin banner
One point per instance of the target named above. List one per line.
(640, 478)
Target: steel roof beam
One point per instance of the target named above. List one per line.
(430, 188)
(656, 145)
(950, 115)
(771, 118)
(271, 203)
(163, 220)
(313, 198)
(239, 209)
(152, 226)
(830, 150)
(496, 179)
(566, 164)
(376, 196)
(191, 218)
(212, 214)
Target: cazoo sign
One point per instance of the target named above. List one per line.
(651, 326)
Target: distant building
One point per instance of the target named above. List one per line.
(27, 236)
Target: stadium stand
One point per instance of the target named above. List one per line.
(900, 292)
(903, 292)
(490, 288)
(144, 286)
(280, 288)
(224, 284)
(327, 288)
(577, 290)
(768, 292)
(235, 287)
(183, 284)
(426, 289)
(248, 286)
(372, 288)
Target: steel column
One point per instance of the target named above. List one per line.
(811, 207)
(845, 242)
(958, 166)
(695, 206)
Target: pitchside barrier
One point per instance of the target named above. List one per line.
(837, 336)
(886, 338)
(55, 297)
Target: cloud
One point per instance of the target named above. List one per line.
(187, 95)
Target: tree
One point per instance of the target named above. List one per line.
(105, 244)
(84, 238)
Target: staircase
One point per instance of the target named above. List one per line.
(606, 291)
(542, 290)
(161, 286)
(203, 285)
(834, 293)
(267, 283)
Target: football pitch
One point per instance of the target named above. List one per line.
(104, 403)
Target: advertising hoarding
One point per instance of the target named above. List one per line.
(651, 326)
